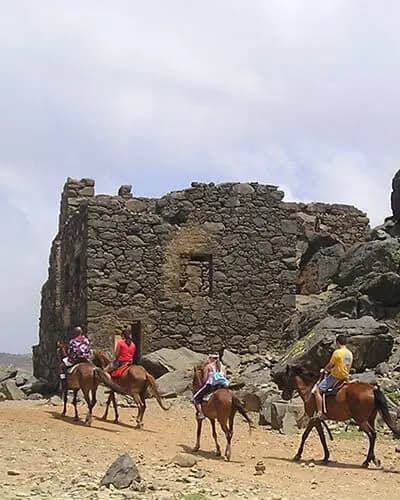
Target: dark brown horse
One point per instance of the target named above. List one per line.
(358, 401)
(82, 377)
(133, 382)
(222, 406)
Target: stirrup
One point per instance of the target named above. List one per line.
(200, 415)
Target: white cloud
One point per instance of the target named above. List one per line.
(303, 94)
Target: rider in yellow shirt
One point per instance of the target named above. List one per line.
(338, 370)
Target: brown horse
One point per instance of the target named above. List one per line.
(133, 382)
(222, 406)
(82, 377)
(358, 401)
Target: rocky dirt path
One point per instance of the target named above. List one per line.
(46, 456)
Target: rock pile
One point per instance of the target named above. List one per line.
(17, 384)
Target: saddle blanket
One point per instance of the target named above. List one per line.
(119, 371)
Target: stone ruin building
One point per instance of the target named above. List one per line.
(208, 267)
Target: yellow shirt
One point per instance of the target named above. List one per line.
(341, 360)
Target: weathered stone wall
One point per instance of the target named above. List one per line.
(343, 222)
(324, 234)
(64, 301)
(207, 267)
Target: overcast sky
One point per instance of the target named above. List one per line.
(302, 94)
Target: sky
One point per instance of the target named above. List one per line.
(303, 94)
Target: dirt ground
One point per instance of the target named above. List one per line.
(44, 455)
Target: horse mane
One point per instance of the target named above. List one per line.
(101, 359)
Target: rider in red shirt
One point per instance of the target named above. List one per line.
(124, 352)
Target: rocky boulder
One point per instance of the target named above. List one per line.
(175, 383)
(319, 263)
(121, 473)
(376, 257)
(384, 288)
(10, 390)
(368, 339)
(165, 360)
(7, 372)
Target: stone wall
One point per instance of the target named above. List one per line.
(207, 267)
(343, 222)
(324, 234)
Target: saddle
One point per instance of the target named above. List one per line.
(119, 371)
(206, 398)
(331, 393)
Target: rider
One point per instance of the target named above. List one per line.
(124, 352)
(338, 370)
(214, 374)
(78, 351)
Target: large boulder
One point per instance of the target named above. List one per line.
(121, 473)
(231, 361)
(174, 383)
(168, 360)
(319, 263)
(376, 257)
(7, 372)
(11, 391)
(368, 339)
(384, 288)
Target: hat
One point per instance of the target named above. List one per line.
(214, 355)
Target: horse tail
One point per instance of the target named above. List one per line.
(383, 408)
(152, 383)
(237, 405)
(107, 382)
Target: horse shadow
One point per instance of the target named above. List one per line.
(210, 455)
(124, 425)
(80, 423)
(331, 464)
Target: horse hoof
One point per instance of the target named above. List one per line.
(365, 465)
(377, 463)
(227, 459)
(218, 453)
(325, 461)
(104, 418)
(196, 448)
(296, 458)
(116, 421)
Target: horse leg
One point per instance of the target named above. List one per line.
(322, 438)
(371, 433)
(228, 434)
(115, 406)
(86, 395)
(104, 417)
(371, 422)
(214, 435)
(199, 425)
(139, 402)
(65, 399)
(75, 403)
(304, 437)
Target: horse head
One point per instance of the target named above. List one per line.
(62, 348)
(289, 383)
(197, 378)
(101, 359)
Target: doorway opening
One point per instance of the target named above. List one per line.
(138, 340)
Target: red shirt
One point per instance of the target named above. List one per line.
(126, 352)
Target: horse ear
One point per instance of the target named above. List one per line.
(287, 369)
